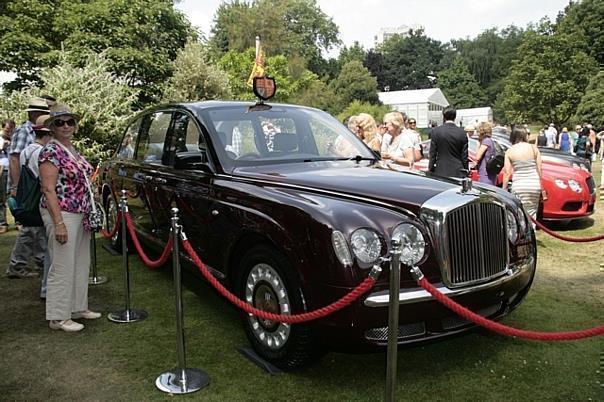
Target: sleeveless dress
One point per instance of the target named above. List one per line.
(526, 185)
(565, 142)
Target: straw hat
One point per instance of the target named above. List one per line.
(60, 110)
(40, 123)
(470, 127)
(37, 105)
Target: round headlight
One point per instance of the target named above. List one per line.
(522, 221)
(412, 241)
(560, 183)
(512, 226)
(341, 248)
(366, 245)
(574, 185)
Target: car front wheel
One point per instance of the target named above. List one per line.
(268, 283)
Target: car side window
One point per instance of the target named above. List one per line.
(185, 137)
(126, 150)
(151, 144)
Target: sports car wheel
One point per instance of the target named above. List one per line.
(268, 283)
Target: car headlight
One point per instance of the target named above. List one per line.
(512, 226)
(413, 245)
(574, 185)
(560, 183)
(522, 221)
(341, 248)
(366, 245)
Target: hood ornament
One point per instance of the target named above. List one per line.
(466, 185)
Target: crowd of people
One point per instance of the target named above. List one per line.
(60, 244)
(584, 141)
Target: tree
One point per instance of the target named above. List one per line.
(319, 95)
(354, 83)
(356, 107)
(489, 57)
(288, 27)
(460, 87)
(195, 77)
(591, 107)
(409, 62)
(141, 37)
(584, 18)
(546, 78)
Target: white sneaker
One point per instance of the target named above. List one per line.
(66, 325)
(87, 314)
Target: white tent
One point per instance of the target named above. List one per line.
(474, 115)
(425, 105)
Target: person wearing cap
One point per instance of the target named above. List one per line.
(470, 130)
(65, 206)
(30, 241)
(29, 157)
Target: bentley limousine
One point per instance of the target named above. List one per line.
(290, 211)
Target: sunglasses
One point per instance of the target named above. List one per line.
(61, 123)
(411, 122)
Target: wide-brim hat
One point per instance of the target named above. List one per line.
(41, 123)
(37, 105)
(60, 110)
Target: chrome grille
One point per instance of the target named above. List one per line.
(476, 243)
(404, 331)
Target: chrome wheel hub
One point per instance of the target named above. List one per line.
(265, 290)
(112, 217)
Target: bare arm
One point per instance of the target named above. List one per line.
(48, 178)
(481, 151)
(507, 171)
(407, 159)
(538, 160)
(14, 170)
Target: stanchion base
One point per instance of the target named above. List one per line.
(251, 355)
(97, 280)
(131, 315)
(172, 381)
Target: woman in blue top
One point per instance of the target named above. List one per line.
(486, 149)
(565, 141)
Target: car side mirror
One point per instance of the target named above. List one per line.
(192, 160)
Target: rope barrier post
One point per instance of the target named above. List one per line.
(94, 279)
(128, 314)
(180, 380)
(391, 359)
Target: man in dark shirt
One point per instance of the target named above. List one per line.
(449, 148)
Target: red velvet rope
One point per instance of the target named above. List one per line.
(565, 238)
(290, 319)
(503, 329)
(118, 221)
(148, 262)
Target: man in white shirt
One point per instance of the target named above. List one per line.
(552, 136)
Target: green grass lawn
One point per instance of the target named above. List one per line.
(121, 361)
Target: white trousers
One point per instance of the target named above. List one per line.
(67, 283)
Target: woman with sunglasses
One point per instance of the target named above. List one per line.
(64, 207)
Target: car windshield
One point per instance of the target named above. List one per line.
(249, 136)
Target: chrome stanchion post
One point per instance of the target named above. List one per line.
(128, 314)
(94, 279)
(391, 359)
(181, 380)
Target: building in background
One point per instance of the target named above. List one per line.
(474, 115)
(426, 105)
(403, 30)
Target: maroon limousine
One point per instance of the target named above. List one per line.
(290, 211)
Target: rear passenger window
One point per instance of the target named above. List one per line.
(151, 145)
(126, 150)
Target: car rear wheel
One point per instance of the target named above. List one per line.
(267, 282)
(111, 210)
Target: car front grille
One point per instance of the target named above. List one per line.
(476, 243)
(404, 331)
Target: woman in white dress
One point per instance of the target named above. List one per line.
(524, 161)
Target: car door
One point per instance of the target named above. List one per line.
(145, 178)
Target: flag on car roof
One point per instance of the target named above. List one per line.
(258, 69)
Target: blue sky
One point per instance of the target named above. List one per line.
(361, 20)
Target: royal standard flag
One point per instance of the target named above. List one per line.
(258, 69)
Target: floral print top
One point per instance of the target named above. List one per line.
(72, 188)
